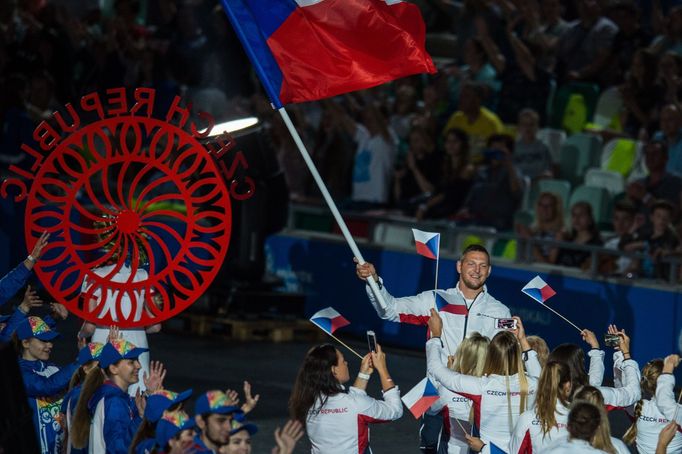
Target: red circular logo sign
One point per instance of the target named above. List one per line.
(139, 216)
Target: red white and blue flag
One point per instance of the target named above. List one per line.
(442, 305)
(538, 290)
(421, 397)
(427, 243)
(305, 50)
(329, 320)
(494, 449)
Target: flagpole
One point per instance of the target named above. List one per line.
(344, 344)
(435, 287)
(330, 203)
(567, 320)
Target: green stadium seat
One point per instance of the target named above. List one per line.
(620, 155)
(574, 106)
(561, 188)
(598, 198)
(607, 179)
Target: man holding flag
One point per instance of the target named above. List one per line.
(465, 308)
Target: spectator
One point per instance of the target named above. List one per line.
(584, 232)
(659, 184)
(549, 221)
(416, 181)
(318, 395)
(531, 156)
(404, 111)
(476, 68)
(641, 95)
(552, 26)
(670, 123)
(670, 77)
(670, 38)
(586, 47)
(623, 228)
(656, 240)
(455, 182)
(631, 36)
(476, 121)
(497, 190)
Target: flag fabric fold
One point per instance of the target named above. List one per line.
(442, 305)
(421, 397)
(538, 289)
(329, 320)
(427, 243)
(305, 50)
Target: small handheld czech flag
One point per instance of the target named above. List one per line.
(329, 320)
(428, 243)
(538, 290)
(421, 397)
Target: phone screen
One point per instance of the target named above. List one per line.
(506, 323)
(372, 341)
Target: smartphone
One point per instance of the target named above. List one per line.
(611, 340)
(506, 323)
(372, 341)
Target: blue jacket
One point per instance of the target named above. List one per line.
(121, 418)
(45, 384)
(145, 446)
(12, 323)
(199, 447)
(70, 401)
(12, 282)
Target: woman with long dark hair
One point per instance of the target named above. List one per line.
(337, 421)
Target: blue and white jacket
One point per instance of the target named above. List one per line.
(115, 420)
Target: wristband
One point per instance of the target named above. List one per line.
(363, 376)
(31, 259)
(389, 379)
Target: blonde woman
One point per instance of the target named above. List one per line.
(538, 428)
(468, 360)
(502, 393)
(602, 439)
(649, 421)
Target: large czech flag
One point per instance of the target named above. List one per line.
(305, 50)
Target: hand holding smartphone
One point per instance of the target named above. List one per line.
(372, 341)
(506, 323)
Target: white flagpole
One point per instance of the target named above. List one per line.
(435, 287)
(330, 202)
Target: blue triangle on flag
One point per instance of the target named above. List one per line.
(494, 449)
(534, 293)
(429, 389)
(324, 323)
(440, 301)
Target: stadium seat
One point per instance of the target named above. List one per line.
(505, 249)
(598, 198)
(554, 139)
(473, 237)
(607, 179)
(562, 188)
(621, 155)
(607, 112)
(579, 153)
(389, 234)
(573, 106)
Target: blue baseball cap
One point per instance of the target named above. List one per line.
(91, 352)
(214, 402)
(238, 426)
(117, 350)
(35, 327)
(161, 400)
(171, 425)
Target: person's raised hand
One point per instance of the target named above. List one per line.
(31, 300)
(670, 363)
(59, 310)
(81, 342)
(451, 361)
(519, 331)
(154, 381)
(365, 270)
(287, 437)
(665, 436)
(40, 244)
(251, 401)
(435, 324)
(114, 333)
(140, 402)
(366, 364)
(232, 397)
(589, 337)
(379, 360)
